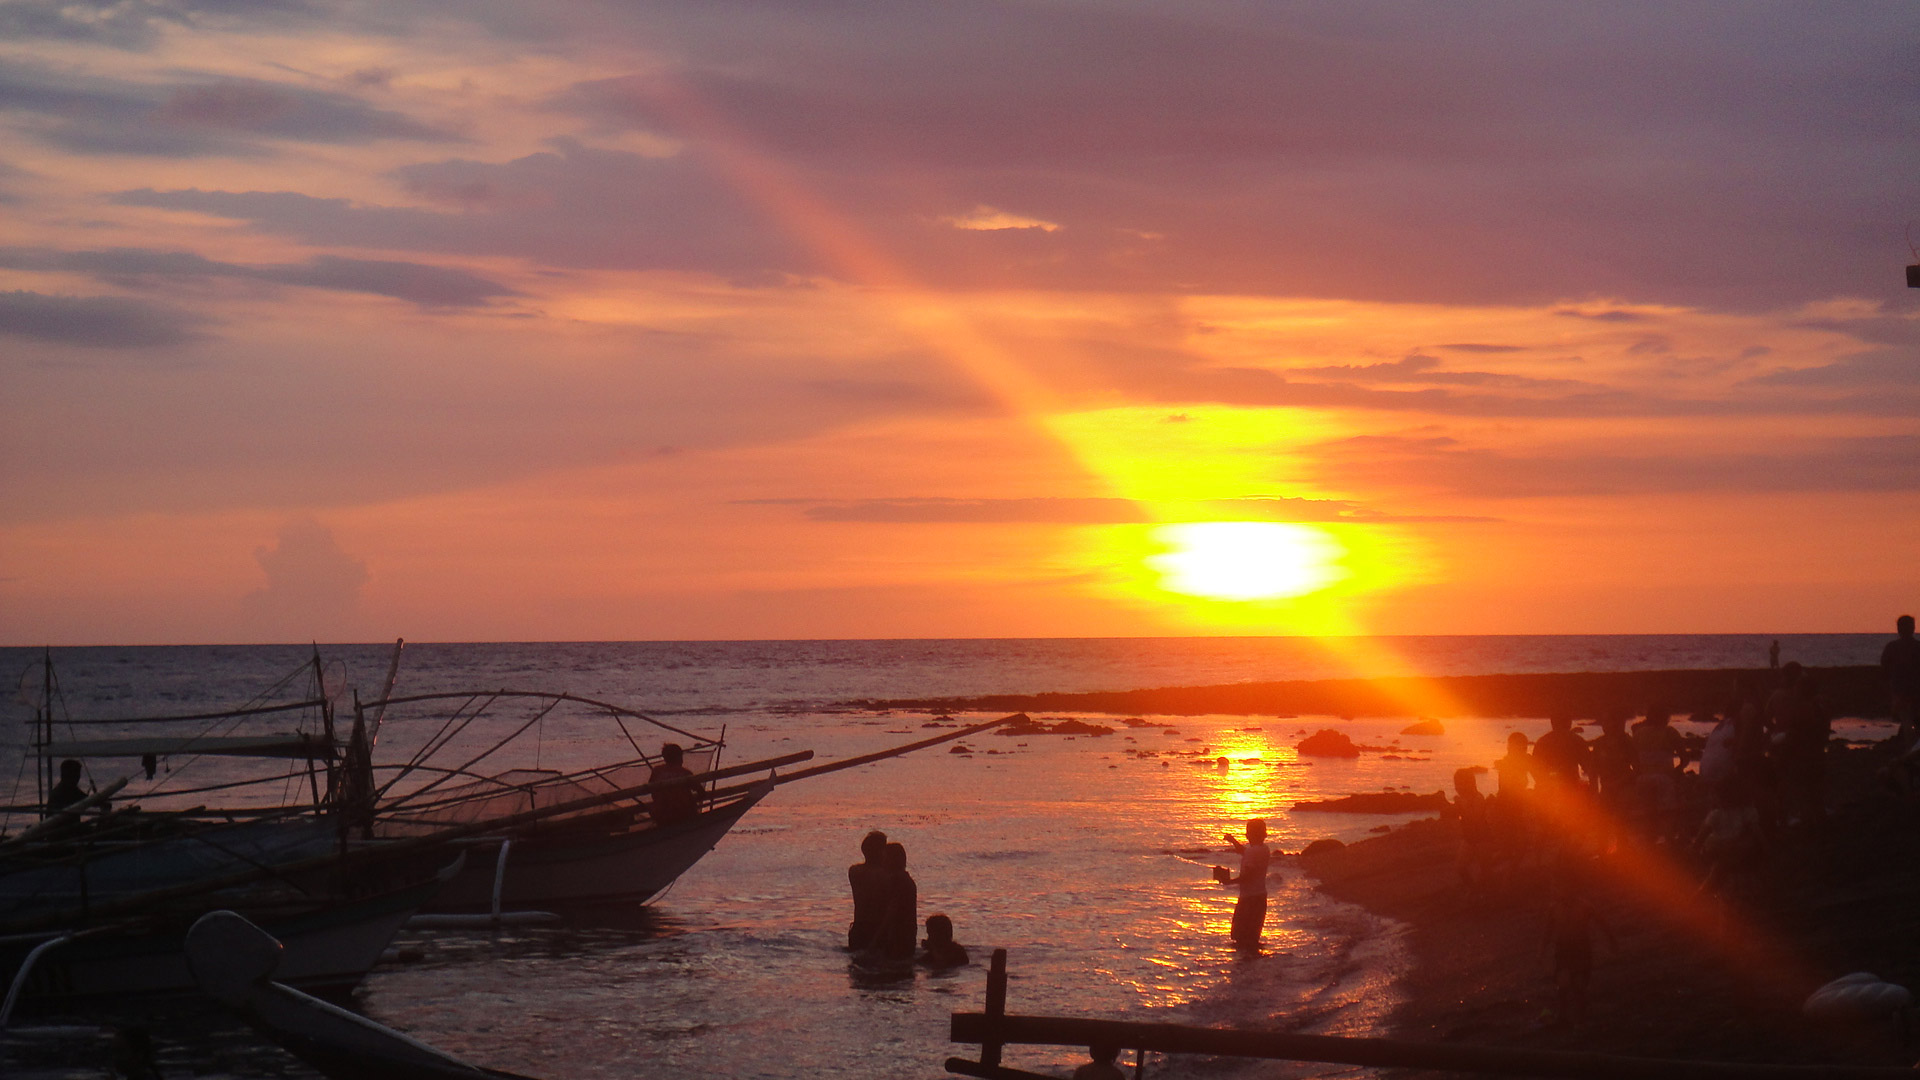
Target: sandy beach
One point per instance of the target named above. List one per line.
(1825, 904)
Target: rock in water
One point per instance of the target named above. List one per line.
(1424, 726)
(1382, 802)
(1328, 743)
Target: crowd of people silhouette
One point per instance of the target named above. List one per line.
(1586, 812)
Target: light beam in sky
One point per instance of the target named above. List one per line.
(1218, 561)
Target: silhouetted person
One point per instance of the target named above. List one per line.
(1656, 765)
(1613, 773)
(1476, 856)
(939, 951)
(1801, 752)
(1778, 702)
(1102, 1066)
(1561, 755)
(679, 802)
(1571, 922)
(1730, 839)
(1900, 662)
(867, 880)
(1509, 812)
(1250, 911)
(1720, 759)
(900, 918)
(1773, 655)
(68, 791)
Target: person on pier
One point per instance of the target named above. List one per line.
(1250, 911)
(867, 881)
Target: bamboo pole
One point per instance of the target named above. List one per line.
(908, 748)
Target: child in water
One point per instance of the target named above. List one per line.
(939, 951)
(1102, 1066)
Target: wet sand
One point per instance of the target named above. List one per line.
(1846, 691)
(1843, 901)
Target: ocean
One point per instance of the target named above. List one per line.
(1087, 858)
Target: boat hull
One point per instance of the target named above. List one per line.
(573, 871)
(328, 951)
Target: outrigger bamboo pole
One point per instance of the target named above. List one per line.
(880, 755)
(994, 1029)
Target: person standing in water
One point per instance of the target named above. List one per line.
(1250, 911)
(867, 880)
(900, 916)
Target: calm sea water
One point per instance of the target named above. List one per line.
(1087, 858)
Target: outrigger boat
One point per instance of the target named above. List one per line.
(370, 844)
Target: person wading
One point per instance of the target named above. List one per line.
(1250, 912)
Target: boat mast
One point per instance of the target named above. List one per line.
(326, 728)
(43, 776)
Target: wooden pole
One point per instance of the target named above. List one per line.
(996, 1006)
(994, 1029)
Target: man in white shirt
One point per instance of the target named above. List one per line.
(1251, 910)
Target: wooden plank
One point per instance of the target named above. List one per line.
(989, 1030)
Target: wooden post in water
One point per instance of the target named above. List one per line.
(996, 1005)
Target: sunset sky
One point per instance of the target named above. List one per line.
(513, 321)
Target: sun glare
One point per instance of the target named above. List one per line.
(1247, 560)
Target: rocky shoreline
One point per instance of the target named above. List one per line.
(1846, 691)
(1827, 902)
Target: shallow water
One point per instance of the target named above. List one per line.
(1087, 858)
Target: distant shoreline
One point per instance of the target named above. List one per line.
(1845, 691)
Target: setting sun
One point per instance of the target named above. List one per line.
(1247, 560)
